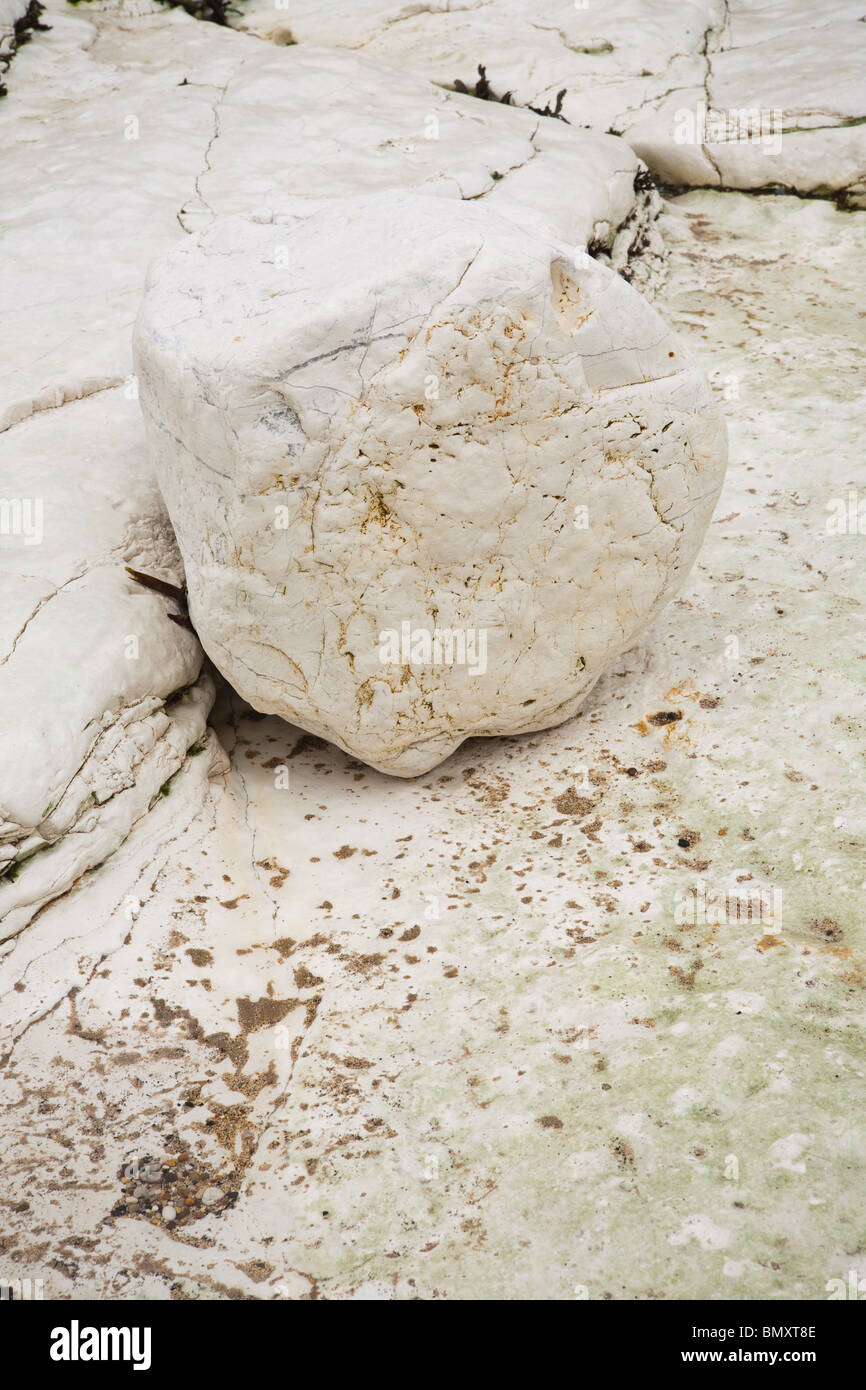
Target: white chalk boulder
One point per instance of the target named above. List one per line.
(430, 471)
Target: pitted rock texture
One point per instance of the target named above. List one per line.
(445, 422)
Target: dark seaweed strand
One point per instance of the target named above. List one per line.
(485, 92)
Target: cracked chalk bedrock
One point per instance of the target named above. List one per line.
(76, 779)
(240, 136)
(409, 410)
(101, 694)
(679, 81)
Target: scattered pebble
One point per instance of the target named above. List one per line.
(167, 1191)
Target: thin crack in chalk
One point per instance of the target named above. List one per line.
(215, 134)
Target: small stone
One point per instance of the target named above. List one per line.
(169, 1213)
(211, 1196)
(141, 1192)
(132, 1204)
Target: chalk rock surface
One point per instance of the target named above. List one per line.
(150, 125)
(101, 696)
(410, 979)
(154, 125)
(664, 76)
(430, 471)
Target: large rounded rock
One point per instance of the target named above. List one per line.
(430, 471)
